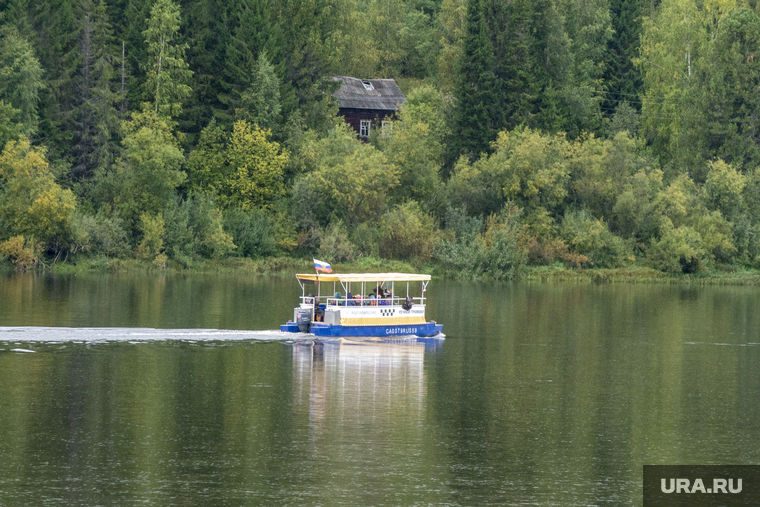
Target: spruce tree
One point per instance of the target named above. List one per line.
(589, 30)
(167, 73)
(58, 49)
(22, 77)
(96, 117)
(131, 23)
(306, 27)
(475, 92)
(622, 77)
(551, 65)
(208, 33)
(10, 128)
(105, 95)
(17, 13)
(260, 102)
(255, 33)
(515, 69)
(84, 117)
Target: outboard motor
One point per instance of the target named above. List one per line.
(407, 305)
(303, 319)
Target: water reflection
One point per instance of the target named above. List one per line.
(364, 407)
(352, 383)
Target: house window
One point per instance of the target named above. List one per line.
(387, 128)
(364, 128)
(368, 85)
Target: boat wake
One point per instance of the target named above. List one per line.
(17, 335)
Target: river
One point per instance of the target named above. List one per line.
(127, 389)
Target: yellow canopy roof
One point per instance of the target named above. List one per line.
(365, 277)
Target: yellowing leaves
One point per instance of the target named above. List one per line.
(258, 167)
(32, 204)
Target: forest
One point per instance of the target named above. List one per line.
(575, 133)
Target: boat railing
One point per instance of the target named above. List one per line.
(346, 302)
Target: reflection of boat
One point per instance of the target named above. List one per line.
(383, 312)
(348, 383)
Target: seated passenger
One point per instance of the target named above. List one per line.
(350, 299)
(338, 301)
(372, 301)
(319, 313)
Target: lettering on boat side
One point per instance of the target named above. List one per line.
(696, 485)
(378, 312)
(402, 330)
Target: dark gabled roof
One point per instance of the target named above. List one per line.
(383, 93)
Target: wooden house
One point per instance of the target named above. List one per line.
(367, 104)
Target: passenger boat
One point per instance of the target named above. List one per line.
(384, 306)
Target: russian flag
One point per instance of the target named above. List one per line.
(322, 266)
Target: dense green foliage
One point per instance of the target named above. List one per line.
(603, 133)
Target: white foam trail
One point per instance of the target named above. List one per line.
(18, 335)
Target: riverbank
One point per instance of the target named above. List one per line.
(262, 266)
(640, 275)
(288, 266)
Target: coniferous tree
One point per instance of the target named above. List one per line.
(622, 77)
(96, 117)
(260, 102)
(10, 128)
(84, 117)
(729, 79)
(105, 96)
(58, 47)
(306, 26)
(167, 73)
(475, 91)
(22, 77)
(16, 13)
(131, 23)
(255, 33)
(209, 25)
(551, 65)
(515, 70)
(588, 29)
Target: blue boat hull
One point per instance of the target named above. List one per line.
(320, 329)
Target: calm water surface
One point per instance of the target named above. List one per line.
(178, 390)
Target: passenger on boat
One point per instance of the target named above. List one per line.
(319, 314)
(372, 301)
(379, 291)
(338, 301)
(350, 299)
